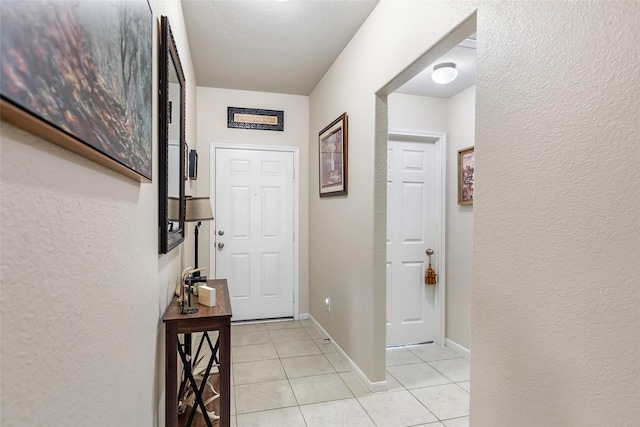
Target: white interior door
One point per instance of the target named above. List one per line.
(254, 233)
(412, 221)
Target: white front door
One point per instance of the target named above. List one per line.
(412, 218)
(254, 231)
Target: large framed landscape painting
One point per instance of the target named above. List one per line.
(79, 74)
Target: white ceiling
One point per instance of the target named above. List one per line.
(287, 46)
(269, 46)
(464, 56)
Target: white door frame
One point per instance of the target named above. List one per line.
(440, 140)
(213, 146)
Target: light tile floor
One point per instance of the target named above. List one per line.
(284, 374)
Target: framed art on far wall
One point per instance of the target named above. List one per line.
(333, 158)
(466, 168)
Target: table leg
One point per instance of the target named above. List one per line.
(225, 374)
(170, 372)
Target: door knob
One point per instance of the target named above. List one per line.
(220, 233)
(220, 245)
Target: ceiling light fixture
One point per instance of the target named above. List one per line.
(444, 73)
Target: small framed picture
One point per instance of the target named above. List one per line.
(332, 146)
(193, 164)
(466, 167)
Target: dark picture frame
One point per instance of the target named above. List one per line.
(193, 164)
(255, 118)
(466, 169)
(78, 74)
(333, 158)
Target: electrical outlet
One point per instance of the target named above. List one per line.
(328, 304)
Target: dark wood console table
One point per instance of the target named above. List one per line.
(216, 318)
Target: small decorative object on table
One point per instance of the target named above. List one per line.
(207, 296)
(187, 288)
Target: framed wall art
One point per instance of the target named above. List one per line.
(466, 167)
(255, 118)
(333, 150)
(79, 74)
(193, 164)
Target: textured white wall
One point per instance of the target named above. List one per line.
(83, 287)
(555, 325)
(461, 134)
(417, 113)
(212, 127)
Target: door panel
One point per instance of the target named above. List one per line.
(239, 269)
(411, 222)
(254, 213)
(412, 212)
(271, 275)
(412, 307)
(240, 212)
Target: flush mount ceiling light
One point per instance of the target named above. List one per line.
(444, 73)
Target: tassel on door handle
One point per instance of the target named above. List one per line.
(430, 275)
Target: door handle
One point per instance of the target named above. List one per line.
(220, 245)
(220, 233)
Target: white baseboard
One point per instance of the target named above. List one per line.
(373, 387)
(463, 351)
(303, 316)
